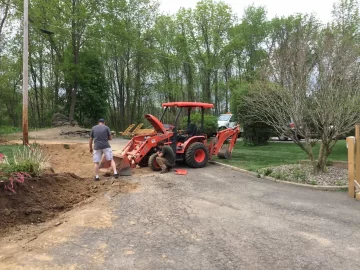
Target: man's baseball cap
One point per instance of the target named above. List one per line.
(101, 120)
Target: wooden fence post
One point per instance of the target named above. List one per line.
(350, 141)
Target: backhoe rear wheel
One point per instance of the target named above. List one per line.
(197, 155)
(153, 164)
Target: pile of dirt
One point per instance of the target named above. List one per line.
(76, 158)
(40, 199)
(72, 158)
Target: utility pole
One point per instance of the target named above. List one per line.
(25, 122)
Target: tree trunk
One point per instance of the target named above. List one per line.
(216, 93)
(127, 86)
(42, 118)
(37, 103)
(136, 90)
(6, 12)
(227, 85)
(208, 86)
(324, 152)
(75, 48)
(190, 81)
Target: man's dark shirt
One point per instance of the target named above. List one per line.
(100, 134)
(168, 153)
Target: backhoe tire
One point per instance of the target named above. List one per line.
(144, 162)
(197, 155)
(153, 164)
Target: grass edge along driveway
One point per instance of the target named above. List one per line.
(275, 154)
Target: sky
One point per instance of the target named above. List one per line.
(322, 8)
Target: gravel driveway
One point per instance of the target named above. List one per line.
(211, 218)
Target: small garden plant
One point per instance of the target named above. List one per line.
(25, 163)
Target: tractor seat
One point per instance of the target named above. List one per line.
(190, 131)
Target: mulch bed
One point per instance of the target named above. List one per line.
(303, 173)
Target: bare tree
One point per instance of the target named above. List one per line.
(312, 81)
(4, 12)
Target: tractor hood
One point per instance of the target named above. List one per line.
(158, 126)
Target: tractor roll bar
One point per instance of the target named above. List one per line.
(162, 115)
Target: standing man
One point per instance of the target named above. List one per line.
(165, 158)
(101, 135)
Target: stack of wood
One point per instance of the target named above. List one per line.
(78, 133)
(127, 131)
(59, 120)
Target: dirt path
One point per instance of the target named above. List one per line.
(45, 134)
(41, 204)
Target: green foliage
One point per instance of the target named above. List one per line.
(299, 175)
(24, 159)
(313, 182)
(210, 122)
(8, 130)
(126, 61)
(256, 133)
(93, 91)
(268, 171)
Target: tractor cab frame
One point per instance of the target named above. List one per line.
(179, 138)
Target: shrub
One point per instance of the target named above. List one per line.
(299, 175)
(30, 159)
(9, 130)
(210, 122)
(27, 162)
(268, 171)
(256, 134)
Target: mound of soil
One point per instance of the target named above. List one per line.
(40, 199)
(76, 158)
(72, 158)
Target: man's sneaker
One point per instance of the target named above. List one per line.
(164, 171)
(97, 178)
(116, 175)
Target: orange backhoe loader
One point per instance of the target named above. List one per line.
(191, 146)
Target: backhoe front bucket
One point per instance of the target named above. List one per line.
(123, 166)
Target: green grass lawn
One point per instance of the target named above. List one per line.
(256, 157)
(8, 150)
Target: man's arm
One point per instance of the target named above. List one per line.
(161, 153)
(109, 134)
(91, 140)
(90, 144)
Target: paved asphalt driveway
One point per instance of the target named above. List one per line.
(214, 218)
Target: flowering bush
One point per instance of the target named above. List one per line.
(16, 177)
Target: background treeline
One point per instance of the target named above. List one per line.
(120, 59)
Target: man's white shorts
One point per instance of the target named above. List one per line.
(97, 154)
